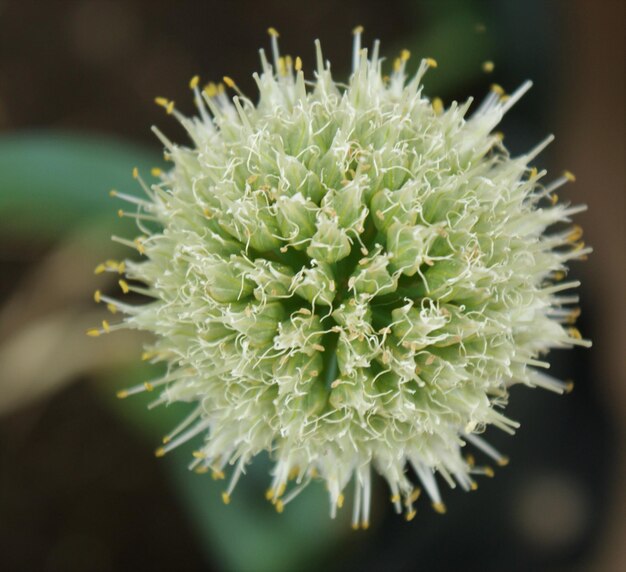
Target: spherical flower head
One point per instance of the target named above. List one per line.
(349, 277)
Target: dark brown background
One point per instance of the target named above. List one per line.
(80, 491)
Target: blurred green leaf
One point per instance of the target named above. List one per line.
(248, 535)
(52, 181)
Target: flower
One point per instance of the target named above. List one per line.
(349, 277)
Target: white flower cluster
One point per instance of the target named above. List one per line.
(349, 277)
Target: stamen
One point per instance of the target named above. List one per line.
(182, 426)
(356, 48)
(486, 448)
(275, 53)
(437, 105)
(356, 506)
(198, 428)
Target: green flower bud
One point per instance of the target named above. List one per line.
(372, 277)
(296, 220)
(316, 284)
(227, 282)
(408, 246)
(257, 322)
(330, 243)
(393, 206)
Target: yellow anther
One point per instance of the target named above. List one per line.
(122, 394)
(298, 64)
(431, 62)
(473, 486)
(340, 501)
(148, 386)
(145, 356)
(533, 173)
(120, 213)
(135, 173)
(355, 526)
(201, 470)
(365, 524)
(124, 286)
(96, 296)
(170, 108)
(575, 333)
(569, 176)
(395, 498)
(470, 460)
(569, 386)
(499, 135)
(358, 30)
(437, 105)
(105, 326)
(217, 475)
(139, 246)
(489, 472)
(225, 498)
(503, 461)
(280, 506)
(166, 440)
(488, 66)
(293, 473)
(210, 89)
(405, 55)
(99, 269)
(505, 98)
(121, 267)
(228, 81)
(112, 308)
(575, 234)
(273, 32)
(282, 66)
(573, 315)
(193, 83)
(113, 193)
(497, 89)
(269, 494)
(410, 515)
(415, 495)
(155, 172)
(198, 454)
(554, 198)
(439, 507)
(161, 101)
(93, 332)
(280, 490)
(160, 452)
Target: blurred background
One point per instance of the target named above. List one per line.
(79, 486)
